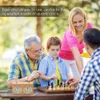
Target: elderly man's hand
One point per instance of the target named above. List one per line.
(73, 81)
(34, 75)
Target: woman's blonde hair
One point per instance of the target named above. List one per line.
(73, 12)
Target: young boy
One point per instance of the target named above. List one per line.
(53, 67)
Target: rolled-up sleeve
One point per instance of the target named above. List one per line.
(14, 72)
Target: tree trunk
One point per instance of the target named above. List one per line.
(39, 21)
(39, 27)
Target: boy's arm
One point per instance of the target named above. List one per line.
(68, 75)
(42, 76)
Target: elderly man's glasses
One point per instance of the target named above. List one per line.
(36, 51)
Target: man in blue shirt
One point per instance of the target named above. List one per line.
(91, 72)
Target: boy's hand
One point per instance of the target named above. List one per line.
(54, 76)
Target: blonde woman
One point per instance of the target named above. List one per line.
(72, 42)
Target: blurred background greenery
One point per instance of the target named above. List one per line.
(13, 30)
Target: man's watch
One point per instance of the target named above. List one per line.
(26, 79)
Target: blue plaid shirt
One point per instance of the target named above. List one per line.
(90, 76)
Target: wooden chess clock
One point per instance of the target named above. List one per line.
(22, 88)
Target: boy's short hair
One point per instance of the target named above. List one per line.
(53, 41)
(92, 37)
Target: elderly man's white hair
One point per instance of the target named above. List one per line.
(30, 40)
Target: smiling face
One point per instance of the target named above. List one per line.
(54, 51)
(78, 22)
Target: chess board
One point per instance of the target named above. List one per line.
(56, 90)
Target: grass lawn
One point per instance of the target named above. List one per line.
(3, 78)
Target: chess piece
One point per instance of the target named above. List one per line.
(72, 88)
(54, 89)
(52, 85)
(48, 83)
(58, 81)
(66, 87)
(50, 88)
(69, 88)
(62, 87)
(58, 88)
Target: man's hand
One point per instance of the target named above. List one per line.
(34, 75)
(73, 81)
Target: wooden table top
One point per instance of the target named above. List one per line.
(39, 96)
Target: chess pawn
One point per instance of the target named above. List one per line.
(62, 87)
(66, 88)
(58, 88)
(54, 89)
(72, 88)
(50, 88)
(63, 84)
(66, 85)
(69, 88)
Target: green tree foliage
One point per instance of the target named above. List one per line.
(11, 29)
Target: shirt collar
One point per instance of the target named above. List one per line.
(51, 58)
(95, 53)
(26, 55)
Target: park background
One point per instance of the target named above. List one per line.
(13, 30)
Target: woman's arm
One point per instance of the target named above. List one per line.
(77, 58)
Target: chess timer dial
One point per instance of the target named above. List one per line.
(27, 89)
(17, 89)
(22, 88)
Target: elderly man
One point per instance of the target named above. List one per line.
(25, 65)
(91, 72)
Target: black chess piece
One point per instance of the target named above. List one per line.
(48, 83)
(57, 82)
(60, 84)
(52, 85)
(64, 84)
